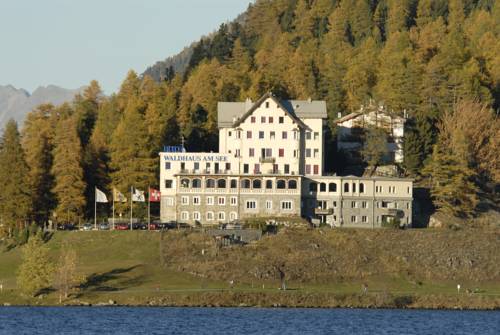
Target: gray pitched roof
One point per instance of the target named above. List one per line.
(230, 113)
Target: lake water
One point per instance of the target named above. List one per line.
(135, 320)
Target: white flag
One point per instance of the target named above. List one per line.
(100, 196)
(138, 196)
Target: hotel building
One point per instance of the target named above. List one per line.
(270, 165)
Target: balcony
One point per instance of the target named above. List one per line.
(323, 211)
(267, 160)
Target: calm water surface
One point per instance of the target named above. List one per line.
(125, 320)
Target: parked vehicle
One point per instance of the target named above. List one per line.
(122, 226)
(104, 226)
(65, 226)
(87, 226)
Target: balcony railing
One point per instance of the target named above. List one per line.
(321, 211)
(267, 160)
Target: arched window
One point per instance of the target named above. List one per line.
(196, 183)
(269, 184)
(234, 183)
(281, 184)
(221, 183)
(354, 188)
(332, 187)
(233, 216)
(256, 183)
(361, 188)
(245, 183)
(313, 187)
(184, 183)
(292, 184)
(322, 187)
(346, 187)
(210, 183)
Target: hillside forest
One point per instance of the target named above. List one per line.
(438, 60)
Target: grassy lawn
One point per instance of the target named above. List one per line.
(126, 267)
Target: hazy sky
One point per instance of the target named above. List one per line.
(70, 42)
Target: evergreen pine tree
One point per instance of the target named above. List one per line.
(15, 195)
(68, 172)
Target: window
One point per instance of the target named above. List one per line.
(261, 134)
(295, 135)
(245, 168)
(287, 168)
(256, 168)
(295, 153)
(408, 190)
(322, 187)
(313, 187)
(353, 218)
(245, 183)
(284, 135)
(346, 187)
(267, 104)
(316, 135)
(196, 165)
(196, 183)
(228, 166)
(308, 135)
(281, 184)
(332, 187)
(354, 188)
(269, 204)
(184, 216)
(281, 152)
(262, 119)
(364, 204)
(392, 189)
(210, 183)
(196, 200)
(168, 183)
(184, 183)
(269, 184)
(234, 183)
(249, 134)
(233, 201)
(185, 200)
(210, 216)
(272, 135)
(316, 153)
(256, 183)
(378, 189)
(229, 133)
(364, 219)
(221, 201)
(269, 152)
(237, 153)
(196, 216)
(286, 205)
(361, 188)
(281, 119)
(271, 119)
(183, 166)
(233, 216)
(316, 169)
(251, 204)
(308, 153)
(354, 204)
(221, 183)
(170, 201)
(251, 152)
(334, 204)
(252, 119)
(238, 135)
(168, 165)
(210, 201)
(308, 169)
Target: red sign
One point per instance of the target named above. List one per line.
(154, 195)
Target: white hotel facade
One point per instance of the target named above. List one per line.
(270, 165)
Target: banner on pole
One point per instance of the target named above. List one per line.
(100, 196)
(138, 196)
(118, 196)
(154, 195)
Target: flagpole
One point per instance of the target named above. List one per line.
(131, 209)
(149, 207)
(95, 207)
(113, 195)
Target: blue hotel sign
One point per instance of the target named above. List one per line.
(195, 158)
